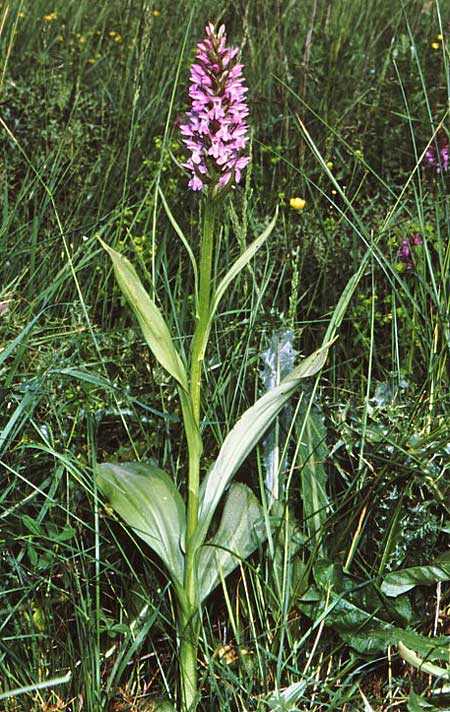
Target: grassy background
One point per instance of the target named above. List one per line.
(90, 94)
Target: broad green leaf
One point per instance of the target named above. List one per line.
(240, 263)
(419, 704)
(240, 532)
(151, 321)
(246, 434)
(312, 453)
(147, 499)
(399, 582)
(367, 633)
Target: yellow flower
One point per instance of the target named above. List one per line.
(50, 17)
(115, 36)
(440, 37)
(20, 14)
(297, 203)
(330, 165)
(156, 12)
(435, 45)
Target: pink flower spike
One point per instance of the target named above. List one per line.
(216, 132)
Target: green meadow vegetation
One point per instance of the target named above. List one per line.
(345, 604)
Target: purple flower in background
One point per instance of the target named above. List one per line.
(437, 158)
(216, 129)
(404, 252)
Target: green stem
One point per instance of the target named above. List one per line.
(203, 313)
(189, 631)
(189, 621)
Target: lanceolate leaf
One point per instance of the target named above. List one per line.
(151, 321)
(399, 582)
(240, 532)
(245, 435)
(312, 453)
(147, 499)
(234, 270)
(241, 262)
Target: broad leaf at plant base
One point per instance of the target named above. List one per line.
(240, 532)
(398, 582)
(147, 499)
(365, 631)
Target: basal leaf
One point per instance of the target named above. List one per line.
(151, 321)
(240, 532)
(366, 632)
(398, 582)
(147, 499)
(246, 434)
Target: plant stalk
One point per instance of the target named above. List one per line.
(189, 620)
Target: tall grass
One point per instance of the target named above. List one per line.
(89, 100)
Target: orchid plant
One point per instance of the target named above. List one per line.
(145, 496)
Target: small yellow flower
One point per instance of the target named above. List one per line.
(358, 153)
(440, 37)
(297, 203)
(334, 192)
(51, 17)
(20, 14)
(330, 165)
(435, 45)
(156, 13)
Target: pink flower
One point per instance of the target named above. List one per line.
(404, 252)
(216, 132)
(437, 158)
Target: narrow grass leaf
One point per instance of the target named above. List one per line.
(37, 686)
